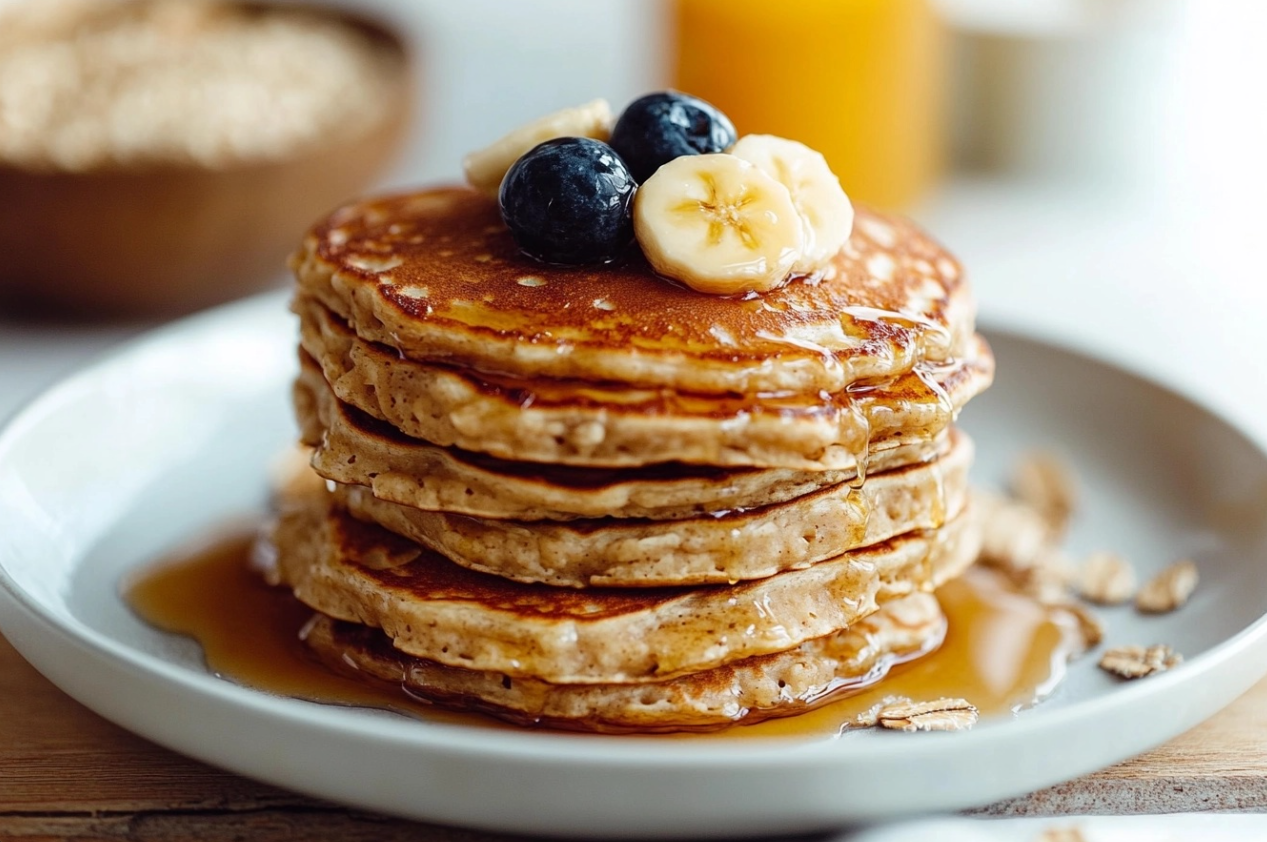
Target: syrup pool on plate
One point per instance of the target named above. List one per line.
(248, 630)
(1003, 651)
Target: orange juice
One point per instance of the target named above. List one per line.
(858, 80)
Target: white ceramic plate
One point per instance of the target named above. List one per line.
(172, 435)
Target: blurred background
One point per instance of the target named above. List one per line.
(1098, 165)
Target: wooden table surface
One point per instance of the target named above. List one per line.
(66, 773)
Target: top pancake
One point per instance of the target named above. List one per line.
(437, 276)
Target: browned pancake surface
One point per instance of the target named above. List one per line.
(437, 275)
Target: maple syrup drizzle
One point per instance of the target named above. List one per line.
(1003, 651)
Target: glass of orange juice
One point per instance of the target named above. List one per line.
(858, 80)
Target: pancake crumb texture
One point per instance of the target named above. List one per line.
(746, 692)
(435, 609)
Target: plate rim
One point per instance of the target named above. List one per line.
(590, 752)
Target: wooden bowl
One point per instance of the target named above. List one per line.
(170, 238)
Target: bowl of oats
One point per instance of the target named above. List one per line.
(158, 156)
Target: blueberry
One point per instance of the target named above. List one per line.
(657, 128)
(569, 200)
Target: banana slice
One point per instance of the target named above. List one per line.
(486, 168)
(816, 192)
(718, 224)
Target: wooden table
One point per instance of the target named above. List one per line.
(66, 773)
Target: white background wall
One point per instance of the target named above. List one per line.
(485, 66)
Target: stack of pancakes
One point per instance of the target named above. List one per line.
(590, 498)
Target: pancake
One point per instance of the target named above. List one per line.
(748, 691)
(435, 609)
(351, 447)
(604, 425)
(436, 276)
(713, 548)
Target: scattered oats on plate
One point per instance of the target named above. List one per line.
(1136, 661)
